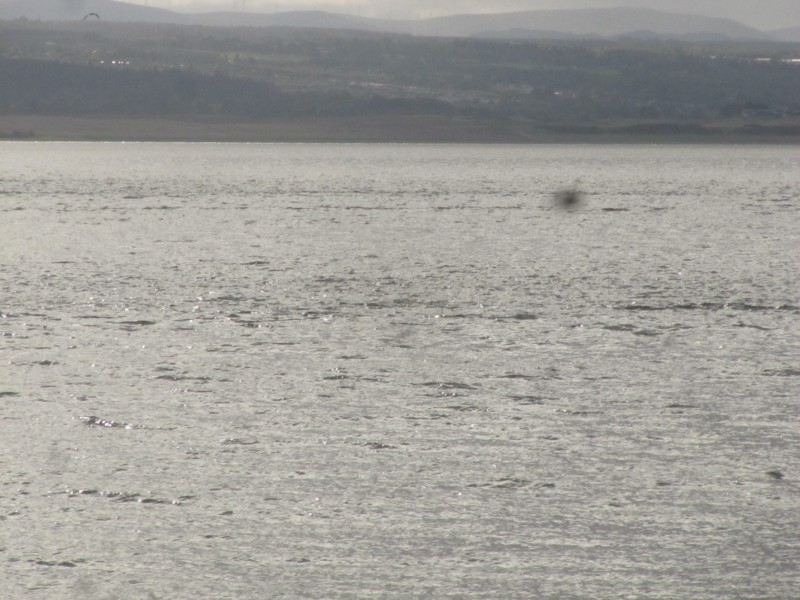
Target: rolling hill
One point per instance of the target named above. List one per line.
(606, 22)
(312, 19)
(541, 24)
(76, 10)
(791, 34)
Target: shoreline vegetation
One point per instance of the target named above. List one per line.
(385, 129)
(146, 82)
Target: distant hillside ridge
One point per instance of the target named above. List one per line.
(606, 22)
(791, 34)
(311, 19)
(552, 24)
(76, 10)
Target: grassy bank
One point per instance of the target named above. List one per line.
(384, 129)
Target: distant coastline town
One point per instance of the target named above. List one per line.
(319, 77)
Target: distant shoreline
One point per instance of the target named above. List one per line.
(384, 129)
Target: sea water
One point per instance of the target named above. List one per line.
(398, 371)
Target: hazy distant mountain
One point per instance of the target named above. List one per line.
(550, 24)
(608, 22)
(527, 34)
(792, 34)
(316, 19)
(643, 36)
(541, 24)
(112, 10)
(75, 10)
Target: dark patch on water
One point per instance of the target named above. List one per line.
(619, 327)
(9, 394)
(126, 496)
(528, 399)
(520, 376)
(378, 446)
(462, 408)
(100, 422)
(226, 298)
(632, 329)
(131, 325)
(568, 198)
(460, 316)
(202, 379)
(713, 306)
(787, 372)
(239, 442)
(577, 413)
(357, 207)
(510, 483)
(751, 326)
(446, 385)
(445, 394)
(351, 357)
(335, 377)
(225, 349)
(524, 316)
(610, 209)
(59, 563)
(315, 314)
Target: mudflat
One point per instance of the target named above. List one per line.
(385, 129)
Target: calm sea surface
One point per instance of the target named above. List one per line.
(366, 371)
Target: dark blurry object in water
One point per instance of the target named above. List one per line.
(92, 420)
(568, 198)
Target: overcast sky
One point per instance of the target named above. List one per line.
(766, 14)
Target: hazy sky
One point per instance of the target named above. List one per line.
(767, 14)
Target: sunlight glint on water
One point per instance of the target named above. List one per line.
(340, 371)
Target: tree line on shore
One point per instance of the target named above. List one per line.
(140, 70)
